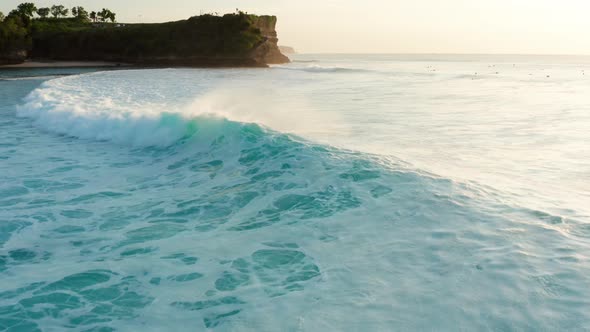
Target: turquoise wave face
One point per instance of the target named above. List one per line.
(143, 215)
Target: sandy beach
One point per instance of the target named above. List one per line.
(64, 64)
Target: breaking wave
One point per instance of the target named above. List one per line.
(206, 213)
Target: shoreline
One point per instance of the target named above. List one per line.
(63, 64)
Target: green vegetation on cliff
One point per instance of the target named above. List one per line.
(207, 35)
(231, 39)
(14, 38)
(21, 25)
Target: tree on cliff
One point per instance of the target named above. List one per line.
(106, 14)
(43, 12)
(13, 34)
(27, 9)
(101, 15)
(80, 13)
(24, 13)
(59, 11)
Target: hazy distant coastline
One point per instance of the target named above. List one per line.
(287, 50)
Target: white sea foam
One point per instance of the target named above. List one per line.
(62, 106)
(245, 229)
(83, 106)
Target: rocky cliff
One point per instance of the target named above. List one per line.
(202, 41)
(12, 57)
(268, 51)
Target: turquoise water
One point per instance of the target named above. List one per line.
(339, 193)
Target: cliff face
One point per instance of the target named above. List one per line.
(268, 51)
(201, 41)
(12, 57)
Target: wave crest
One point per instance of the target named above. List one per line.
(104, 120)
(110, 106)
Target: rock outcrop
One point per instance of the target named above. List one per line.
(231, 40)
(12, 57)
(268, 51)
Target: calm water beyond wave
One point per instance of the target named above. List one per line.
(336, 193)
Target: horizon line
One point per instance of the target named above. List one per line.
(437, 53)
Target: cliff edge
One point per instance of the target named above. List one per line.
(268, 50)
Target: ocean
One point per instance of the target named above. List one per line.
(335, 193)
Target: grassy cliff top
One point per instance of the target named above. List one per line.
(204, 35)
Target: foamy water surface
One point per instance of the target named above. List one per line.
(350, 193)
